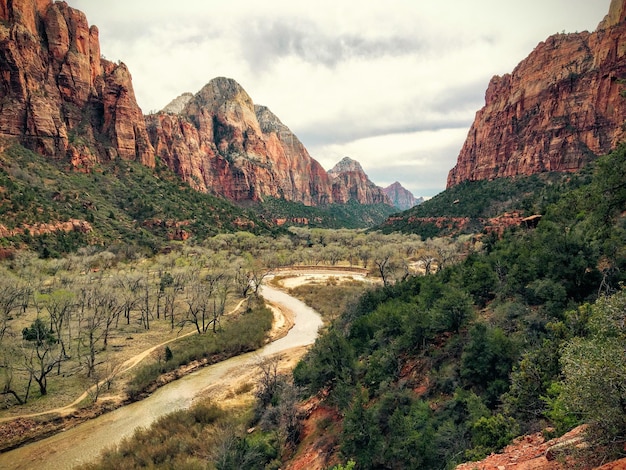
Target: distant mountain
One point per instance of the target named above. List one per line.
(401, 197)
(219, 141)
(61, 99)
(351, 183)
(560, 108)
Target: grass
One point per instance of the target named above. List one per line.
(329, 298)
(243, 333)
(183, 439)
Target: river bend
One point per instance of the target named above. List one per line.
(84, 442)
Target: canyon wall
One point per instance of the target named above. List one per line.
(58, 96)
(562, 106)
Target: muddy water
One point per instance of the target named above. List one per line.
(85, 441)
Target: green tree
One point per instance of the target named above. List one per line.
(595, 372)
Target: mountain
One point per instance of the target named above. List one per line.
(401, 197)
(560, 108)
(351, 183)
(59, 97)
(178, 104)
(221, 142)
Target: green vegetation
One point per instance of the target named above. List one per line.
(129, 206)
(331, 297)
(507, 341)
(351, 215)
(465, 344)
(477, 201)
(180, 440)
(244, 333)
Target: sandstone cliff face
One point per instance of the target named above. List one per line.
(222, 143)
(401, 197)
(561, 107)
(351, 183)
(57, 95)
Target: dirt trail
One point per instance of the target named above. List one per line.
(124, 367)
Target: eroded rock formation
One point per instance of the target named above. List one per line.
(351, 182)
(560, 108)
(57, 95)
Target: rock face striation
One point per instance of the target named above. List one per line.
(351, 183)
(560, 108)
(401, 197)
(222, 142)
(58, 96)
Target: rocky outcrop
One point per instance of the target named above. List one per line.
(222, 142)
(401, 197)
(351, 183)
(60, 98)
(72, 225)
(560, 108)
(57, 95)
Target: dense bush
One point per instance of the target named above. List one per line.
(491, 337)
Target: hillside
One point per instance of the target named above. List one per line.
(114, 206)
(61, 99)
(518, 337)
(483, 206)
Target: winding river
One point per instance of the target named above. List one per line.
(85, 441)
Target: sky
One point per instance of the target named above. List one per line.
(393, 84)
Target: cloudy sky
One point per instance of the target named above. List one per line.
(393, 84)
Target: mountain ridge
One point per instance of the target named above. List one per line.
(62, 99)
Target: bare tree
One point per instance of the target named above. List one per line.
(197, 299)
(60, 305)
(41, 353)
(92, 332)
(7, 367)
(11, 295)
(385, 264)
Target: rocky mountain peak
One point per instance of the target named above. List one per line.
(401, 197)
(346, 164)
(351, 183)
(57, 95)
(177, 104)
(616, 15)
(221, 94)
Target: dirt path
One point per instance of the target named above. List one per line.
(124, 367)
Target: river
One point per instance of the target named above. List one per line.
(85, 441)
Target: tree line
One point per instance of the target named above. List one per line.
(58, 317)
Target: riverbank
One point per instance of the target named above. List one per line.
(22, 430)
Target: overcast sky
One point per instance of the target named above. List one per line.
(393, 84)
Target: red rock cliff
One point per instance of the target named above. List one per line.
(222, 143)
(561, 107)
(57, 95)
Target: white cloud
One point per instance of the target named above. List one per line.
(392, 84)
